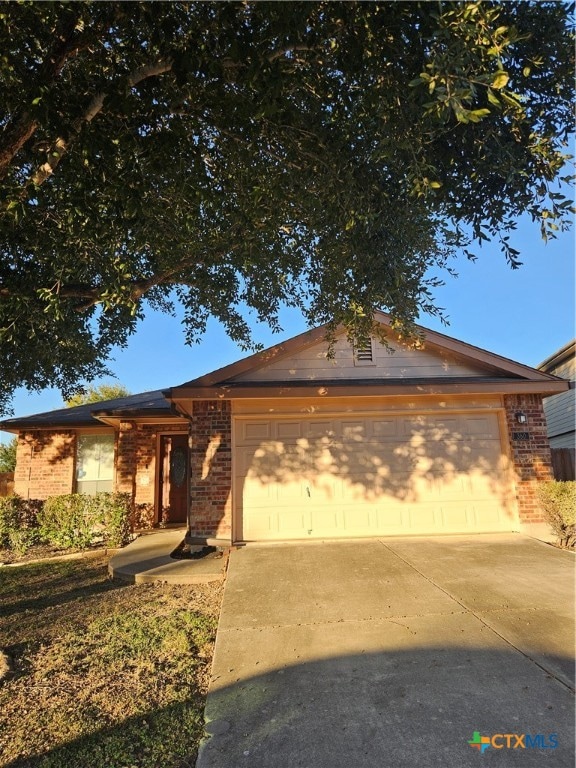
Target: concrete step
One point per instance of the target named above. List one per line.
(147, 559)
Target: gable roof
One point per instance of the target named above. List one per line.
(89, 415)
(498, 375)
(496, 371)
(560, 356)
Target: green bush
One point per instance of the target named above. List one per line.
(79, 520)
(142, 517)
(19, 523)
(9, 510)
(116, 512)
(558, 500)
(64, 522)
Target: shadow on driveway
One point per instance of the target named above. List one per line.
(393, 653)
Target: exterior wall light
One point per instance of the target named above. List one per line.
(521, 417)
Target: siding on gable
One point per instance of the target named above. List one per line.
(560, 414)
(566, 370)
(563, 441)
(403, 363)
(560, 409)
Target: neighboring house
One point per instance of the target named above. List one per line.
(560, 410)
(292, 444)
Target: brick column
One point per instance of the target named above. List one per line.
(211, 470)
(531, 458)
(44, 464)
(125, 479)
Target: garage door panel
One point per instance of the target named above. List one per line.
(317, 429)
(481, 426)
(289, 430)
(389, 518)
(255, 430)
(294, 522)
(483, 513)
(455, 517)
(385, 428)
(258, 490)
(357, 518)
(362, 476)
(325, 520)
(422, 517)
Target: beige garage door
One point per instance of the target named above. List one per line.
(370, 476)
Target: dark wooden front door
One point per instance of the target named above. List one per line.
(174, 461)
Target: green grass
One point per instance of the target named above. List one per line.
(104, 675)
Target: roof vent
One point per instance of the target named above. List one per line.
(363, 352)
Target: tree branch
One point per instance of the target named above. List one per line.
(289, 49)
(61, 145)
(23, 125)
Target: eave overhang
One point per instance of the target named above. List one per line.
(368, 388)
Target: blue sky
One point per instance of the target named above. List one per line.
(523, 314)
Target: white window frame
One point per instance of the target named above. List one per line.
(101, 477)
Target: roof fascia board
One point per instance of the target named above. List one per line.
(475, 354)
(115, 420)
(362, 390)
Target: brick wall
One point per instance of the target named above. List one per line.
(44, 464)
(531, 459)
(211, 470)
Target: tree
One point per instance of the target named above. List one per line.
(97, 392)
(8, 455)
(237, 156)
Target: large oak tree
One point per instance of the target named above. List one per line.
(235, 156)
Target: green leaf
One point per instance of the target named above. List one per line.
(246, 179)
(478, 114)
(500, 80)
(493, 99)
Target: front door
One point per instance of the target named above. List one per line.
(173, 478)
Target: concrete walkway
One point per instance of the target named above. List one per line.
(148, 559)
(394, 652)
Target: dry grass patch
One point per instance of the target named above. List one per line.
(103, 675)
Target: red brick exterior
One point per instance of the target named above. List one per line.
(211, 470)
(44, 464)
(531, 459)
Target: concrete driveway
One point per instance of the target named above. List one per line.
(394, 653)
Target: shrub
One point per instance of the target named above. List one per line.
(64, 522)
(116, 512)
(19, 523)
(142, 517)
(78, 520)
(9, 511)
(558, 500)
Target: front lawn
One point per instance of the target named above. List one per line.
(104, 675)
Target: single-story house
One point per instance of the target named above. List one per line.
(292, 443)
(560, 411)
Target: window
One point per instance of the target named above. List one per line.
(364, 352)
(94, 463)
